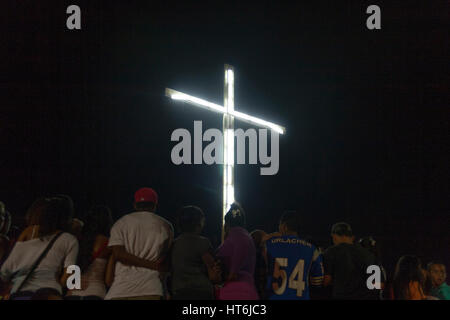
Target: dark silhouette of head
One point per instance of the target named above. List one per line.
(408, 269)
(235, 217)
(56, 214)
(34, 212)
(289, 223)
(341, 232)
(371, 245)
(190, 219)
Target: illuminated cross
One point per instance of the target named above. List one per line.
(228, 130)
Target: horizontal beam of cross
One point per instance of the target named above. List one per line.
(177, 95)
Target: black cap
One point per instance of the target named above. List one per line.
(342, 229)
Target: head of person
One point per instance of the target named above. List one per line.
(145, 199)
(33, 213)
(258, 236)
(98, 221)
(371, 245)
(437, 273)
(56, 215)
(190, 219)
(341, 232)
(235, 217)
(407, 270)
(367, 243)
(289, 223)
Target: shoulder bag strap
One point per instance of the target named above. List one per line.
(38, 261)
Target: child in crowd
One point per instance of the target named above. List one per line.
(437, 274)
(193, 267)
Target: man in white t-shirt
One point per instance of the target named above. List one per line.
(140, 240)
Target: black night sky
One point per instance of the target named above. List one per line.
(83, 112)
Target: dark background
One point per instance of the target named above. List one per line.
(83, 112)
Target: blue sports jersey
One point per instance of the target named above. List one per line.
(293, 265)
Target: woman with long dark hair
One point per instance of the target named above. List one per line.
(32, 217)
(408, 279)
(93, 255)
(48, 278)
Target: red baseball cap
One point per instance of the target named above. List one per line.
(146, 195)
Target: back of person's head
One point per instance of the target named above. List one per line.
(235, 216)
(342, 229)
(407, 270)
(190, 219)
(290, 222)
(367, 243)
(32, 216)
(98, 221)
(341, 233)
(56, 214)
(371, 245)
(67, 203)
(145, 199)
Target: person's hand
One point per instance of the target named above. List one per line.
(162, 265)
(217, 268)
(215, 272)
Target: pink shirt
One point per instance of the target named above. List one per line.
(238, 254)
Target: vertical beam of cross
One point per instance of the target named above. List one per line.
(228, 143)
(229, 114)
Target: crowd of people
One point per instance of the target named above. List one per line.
(139, 258)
